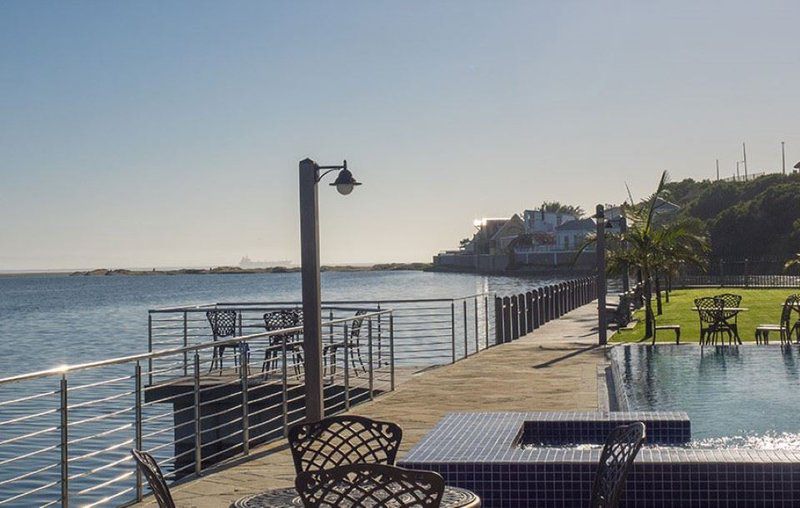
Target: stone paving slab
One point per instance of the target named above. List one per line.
(552, 369)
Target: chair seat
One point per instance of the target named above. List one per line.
(770, 327)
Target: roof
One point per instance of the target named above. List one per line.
(578, 225)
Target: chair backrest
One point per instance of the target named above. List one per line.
(622, 445)
(709, 309)
(355, 326)
(280, 320)
(223, 322)
(344, 439)
(370, 485)
(786, 311)
(149, 468)
(730, 300)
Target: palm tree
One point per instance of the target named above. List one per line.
(654, 247)
(557, 207)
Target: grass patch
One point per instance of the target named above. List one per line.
(764, 308)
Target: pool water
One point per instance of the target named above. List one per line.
(736, 397)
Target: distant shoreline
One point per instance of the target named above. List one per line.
(228, 270)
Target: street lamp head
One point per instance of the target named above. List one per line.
(345, 182)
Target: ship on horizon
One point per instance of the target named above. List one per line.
(248, 263)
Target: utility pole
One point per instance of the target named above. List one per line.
(744, 160)
(718, 170)
(602, 331)
(783, 157)
(737, 171)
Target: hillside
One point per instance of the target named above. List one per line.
(757, 220)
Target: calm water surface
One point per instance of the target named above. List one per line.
(745, 396)
(54, 320)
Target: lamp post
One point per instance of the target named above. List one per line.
(601, 275)
(309, 258)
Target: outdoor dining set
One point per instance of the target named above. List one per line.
(349, 461)
(719, 319)
(225, 323)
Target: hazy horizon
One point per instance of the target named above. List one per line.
(168, 133)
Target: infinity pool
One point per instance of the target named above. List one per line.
(736, 397)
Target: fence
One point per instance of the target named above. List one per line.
(740, 281)
(523, 313)
(65, 434)
(193, 401)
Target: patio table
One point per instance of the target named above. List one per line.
(723, 320)
(454, 497)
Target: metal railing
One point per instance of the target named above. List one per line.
(427, 332)
(740, 281)
(65, 433)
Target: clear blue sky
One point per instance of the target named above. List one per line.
(168, 133)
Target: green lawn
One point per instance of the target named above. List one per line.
(764, 307)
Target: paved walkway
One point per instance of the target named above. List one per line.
(551, 369)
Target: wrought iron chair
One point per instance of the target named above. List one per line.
(370, 485)
(344, 439)
(354, 342)
(785, 328)
(223, 324)
(730, 300)
(622, 446)
(149, 468)
(709, 309)
(281, 320)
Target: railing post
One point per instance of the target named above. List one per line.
(522, 310)
(150, 348)
(453, 331)
(498, 320)
(346, 370)
(285, 386)
(466, 339)
(486, 319)
(391, 349)
(506, 319)
(380, 342)
(64, 443)
(477, 332)
(185, 344)
(198, 438)
(137, 443)
(244, 369)
(369, 355)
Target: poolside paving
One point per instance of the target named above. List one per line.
(552, 369)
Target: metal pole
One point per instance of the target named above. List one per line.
(185, 344)
(623, 229)
(245, 367)
(150, 348)
(312, 316)
(744, 157)
(601, 275)
(369, 355)
(284, 387)
(466, 332)
(346, 370)
(453, 331)
(783, 157)
(391, 349)
(486, 319)
(477, 344)
(138, 424)
(198, 444)
(64, 444)
(718, 170)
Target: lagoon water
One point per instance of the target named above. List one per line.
(50, 320)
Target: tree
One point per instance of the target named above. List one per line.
(654, 247)
(464, 242)
(793, 262)
(556, 207)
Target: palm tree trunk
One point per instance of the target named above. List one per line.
(669, 286)
(659, 306)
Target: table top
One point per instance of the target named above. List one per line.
(453, 497)
(737, 309)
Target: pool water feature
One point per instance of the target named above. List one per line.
(735, 396)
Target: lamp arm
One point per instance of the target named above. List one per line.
(330, 169)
